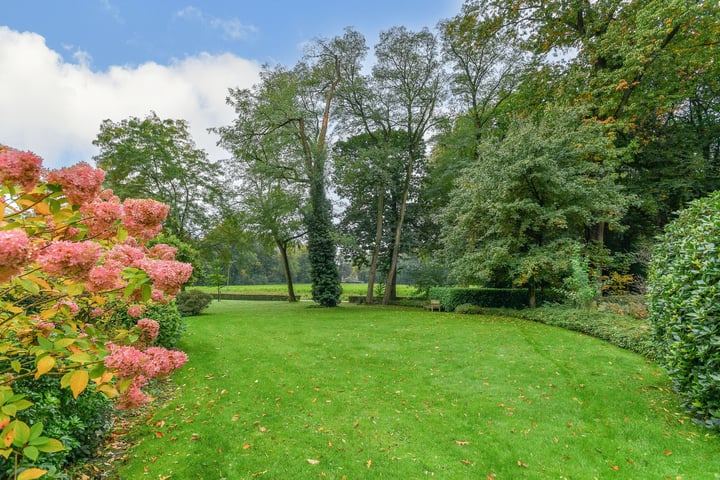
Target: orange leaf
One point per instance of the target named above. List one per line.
(246, 446)
(667, 453)
(79, 381)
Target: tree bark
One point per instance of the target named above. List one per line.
(389, 290)
(376, 249)
(286, 266)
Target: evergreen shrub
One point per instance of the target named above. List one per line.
(192, 302)
(684, 306)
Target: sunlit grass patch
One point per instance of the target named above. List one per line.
(276, 390)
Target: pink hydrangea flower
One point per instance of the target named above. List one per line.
(125, 255)
(81, 183)
(163, 361)
(149, 328)
(162, 251)
(104, 278)
(72, 306)
(71, 259)
(167, 275)
(135, 311)
(159, 296)
(101, 216)
(143, 217)
(22, 168)
(126, 361)
(97, 312)
(133, 397)
(15, 253)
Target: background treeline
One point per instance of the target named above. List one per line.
(512, 143)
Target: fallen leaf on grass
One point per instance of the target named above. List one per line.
(522, 464)
(462, 442)
(667, 453)
(246, 446)
(312, 461)
(615, 467)
(195, 436)
(368, 464)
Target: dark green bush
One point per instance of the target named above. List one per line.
(684, 306)
(451, 297)
(167, 315)
(192, 302)
(80, 424)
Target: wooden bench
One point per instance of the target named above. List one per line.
(433, 305)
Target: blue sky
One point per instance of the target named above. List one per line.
(67, 65)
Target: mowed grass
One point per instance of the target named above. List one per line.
(286, 391)
(303, 289)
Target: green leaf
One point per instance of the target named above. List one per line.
(22, 433)
(31, 452)
(51, 445)
(16, 366)
(36, 430)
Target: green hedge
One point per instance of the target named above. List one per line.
(451, 297)
(242, 296)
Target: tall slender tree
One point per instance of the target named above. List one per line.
(291, 110)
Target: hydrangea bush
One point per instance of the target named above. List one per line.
(68, 252)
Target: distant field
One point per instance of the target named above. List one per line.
(301, 289)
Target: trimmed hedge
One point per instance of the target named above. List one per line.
(242, 296)
(451, 297)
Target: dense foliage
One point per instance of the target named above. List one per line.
(68, 251)
(452, 297)
(192, 302)
(684, 306)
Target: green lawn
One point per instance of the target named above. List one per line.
(301, 289)
(287, 391)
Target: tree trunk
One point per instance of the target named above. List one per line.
(376, 248)
(286, 266)
(389, 291)
(531, 291)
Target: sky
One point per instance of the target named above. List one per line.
(65, 66)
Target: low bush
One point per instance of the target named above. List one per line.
(451, 297)
(192, 302)
(167, 315)
(80, 424)
(683, 294)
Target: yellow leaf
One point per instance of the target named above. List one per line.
(40, 281)
(78, 382)
(45, 364)
(31, 474)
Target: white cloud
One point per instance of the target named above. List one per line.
(55, 108)
(231, 27)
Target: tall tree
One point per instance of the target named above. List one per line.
(272, 211)
(521, 210)
(156, 158)
(401, 95)
(291, 110)
(367, 175)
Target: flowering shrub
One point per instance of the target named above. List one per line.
(68, 252)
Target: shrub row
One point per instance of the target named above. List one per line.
(451, 297)
(623, 331)
(243, 296)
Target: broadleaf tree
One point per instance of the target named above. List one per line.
(156, 158)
